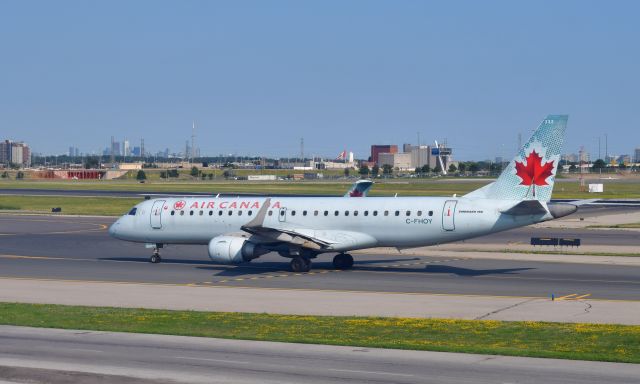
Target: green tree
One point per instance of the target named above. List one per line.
(462, 167)
(375, 170)
(347, 172)
(141, 175)
(425, 169)
(364, 170)
(173, 173)
(599, 164)
(195, 172)
(387, 169)
(474, 167)
(453, 168)
(5, 175)
(163, 174)
(211, 176)
(92, 163)
(19, 175)
(437, 168)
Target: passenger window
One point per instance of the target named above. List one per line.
(270, 213)
(346, 213)
(375, 213)
(210, 213)
(220, 213)
(336, 213)
(419, 213)
(304, 213)
(366, 213)
(408, 213)
(201, 213)
(190, 213)
(230, 212)
(282, 212)
(315, 213)
(386, 213)
(430, 213)
(293, 213)
(239, 213)
(173, 213)
(326, 213)
(250, 213)
(355, 213)
(181, 213)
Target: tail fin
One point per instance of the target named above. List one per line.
(531, 174)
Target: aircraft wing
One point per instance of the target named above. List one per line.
(305, 237)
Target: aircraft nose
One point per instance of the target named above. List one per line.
(113, 229)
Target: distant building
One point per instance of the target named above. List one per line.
(624, 159)
(637, 156)
(401, 161)
(136, 152)
(376, 150)
(74, 152)
(15, 153)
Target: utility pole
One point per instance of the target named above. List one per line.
(599, 151)
(606, 147)
(193, 140)
(142, 148)
(302, 150)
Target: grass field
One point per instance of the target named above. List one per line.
(564, 189)
(100, 206)
(617, 343)
(112, 206)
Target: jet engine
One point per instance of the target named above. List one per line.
(234, 250)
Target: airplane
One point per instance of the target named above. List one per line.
(238, 230)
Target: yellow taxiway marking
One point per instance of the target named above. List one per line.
(574, 296)
(100, 227)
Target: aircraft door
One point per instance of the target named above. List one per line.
(282, 215)
(448, 215)
(156, 214)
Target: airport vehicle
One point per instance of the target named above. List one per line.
(238, 230)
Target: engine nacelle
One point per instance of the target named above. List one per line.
(233, 250)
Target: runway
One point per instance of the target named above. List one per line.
(56, 356)
(78, 248)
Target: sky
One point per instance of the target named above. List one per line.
(256, 76)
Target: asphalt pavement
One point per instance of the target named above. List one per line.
(61, 356)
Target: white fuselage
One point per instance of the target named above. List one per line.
(345, 223)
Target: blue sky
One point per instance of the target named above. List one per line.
(259, 75)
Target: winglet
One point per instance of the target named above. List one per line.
(258, 221)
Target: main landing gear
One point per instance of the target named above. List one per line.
(343, 261)
(155, 257)
(300, 264)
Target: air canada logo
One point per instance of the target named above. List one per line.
(179, 204)
(533, 172)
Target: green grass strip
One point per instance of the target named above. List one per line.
(602, 342)
(71, 205)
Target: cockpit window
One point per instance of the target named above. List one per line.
(133, 211)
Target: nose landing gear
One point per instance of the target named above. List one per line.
(155, 257)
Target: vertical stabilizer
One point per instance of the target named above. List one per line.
(531, 174)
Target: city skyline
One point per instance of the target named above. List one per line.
(258, 76)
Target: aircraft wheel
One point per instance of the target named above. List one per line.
(300, 264)
(343, 261)
(155, 258)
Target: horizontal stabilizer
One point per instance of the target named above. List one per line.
(526, 207)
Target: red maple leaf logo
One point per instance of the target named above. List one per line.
(179, 204)
(534, 173)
